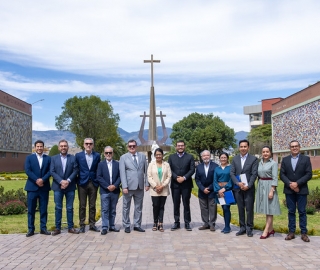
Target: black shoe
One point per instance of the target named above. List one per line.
(127, 230)
(45, 232)
(138, 229)
(175, 226)
(241, 232)
(29, 233)
(56, 232)
(82, 229)
(249, 234)
(114, 230)
(187, 227)
(104, 231)
(94, 228)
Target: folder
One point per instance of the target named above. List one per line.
(228, 197)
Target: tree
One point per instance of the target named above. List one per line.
(90, 117)
(258, 137)
(203, 131)
(54, 150)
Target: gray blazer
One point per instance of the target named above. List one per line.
(133, 177)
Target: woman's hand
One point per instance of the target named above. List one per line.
(270, 194)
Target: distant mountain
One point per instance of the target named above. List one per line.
(241, 135)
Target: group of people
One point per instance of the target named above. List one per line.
(132, 173)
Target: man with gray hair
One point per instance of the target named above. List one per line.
(87, 161)
(204, 181)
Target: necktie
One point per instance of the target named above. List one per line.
(135, 160)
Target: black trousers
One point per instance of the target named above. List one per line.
(158, 203)
(185, 194)
(88, 192)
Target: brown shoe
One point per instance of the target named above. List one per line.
(290, 236)
(73, 230)
(56, 232)
(305, 238)
(212, 228)
(204, 227)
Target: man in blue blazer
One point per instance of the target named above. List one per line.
(108, 176)
(87, 161)
(295, 173)
(64, 171)
(37, 168)
(207, 201)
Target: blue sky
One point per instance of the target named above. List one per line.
(216, 56)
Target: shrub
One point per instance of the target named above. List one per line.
(12, 202)
(12, 208)
(314, 198)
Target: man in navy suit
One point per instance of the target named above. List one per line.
(87, 161)
(108, 176)
(207, 201)
(295, 173)
(64, 171)
(37, 168)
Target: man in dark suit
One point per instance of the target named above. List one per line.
(295, 173)
(207, 201)
(37, 168)
(248, 165)
(108, 176)
(182, 168)
(64, 171)
(133, 173)
(87, 161)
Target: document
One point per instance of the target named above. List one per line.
(244, 180)
(228, 198)
(222, 201)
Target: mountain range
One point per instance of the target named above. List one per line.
(52, 137)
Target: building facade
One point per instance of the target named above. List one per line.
(297, 117)
(15, 132)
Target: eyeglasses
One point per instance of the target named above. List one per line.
(294, 146)
(108, 153)
(132, 146)
(88, 143)
(180, 145)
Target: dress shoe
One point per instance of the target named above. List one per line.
(29, 233)
(187, 227)
(212, 229)
(290, 236)
(127, 230)
(305, 237)
(271, 233)
(175, 226)
(56, 232)
(114, 230)
(249, 233)
(82, 229)
(45, 232)
(138, 229)
(94, 228)
(204, 227)
(264, 237)
(241, 232)
(104, 231)
(73, 230)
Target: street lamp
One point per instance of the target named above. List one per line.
(37, 101)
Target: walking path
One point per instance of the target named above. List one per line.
(155, 250)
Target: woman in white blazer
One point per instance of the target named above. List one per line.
(159, 177)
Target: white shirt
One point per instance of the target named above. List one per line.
(40, 159)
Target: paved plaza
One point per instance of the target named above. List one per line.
(155, 250)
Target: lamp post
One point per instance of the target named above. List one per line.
(37, 101)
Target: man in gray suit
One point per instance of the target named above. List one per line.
(64, 169)
(248, 165)
(133, 173)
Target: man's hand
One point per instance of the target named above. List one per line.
(241, 185)
(293, 185)
(180, 179)
(147, 188)
(39, 182)
(111, 188)
(206, 191)
(64, 184)
(125, 191)
(244, 188)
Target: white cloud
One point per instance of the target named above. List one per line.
(41, 126)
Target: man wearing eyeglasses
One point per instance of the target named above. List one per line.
(87, 161)
(133, 173)
(295, 173)
(108, 176)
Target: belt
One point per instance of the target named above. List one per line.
(265, 178)
(222, 184)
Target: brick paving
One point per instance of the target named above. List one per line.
(155, 250)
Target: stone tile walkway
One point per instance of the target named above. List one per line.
(155, 250)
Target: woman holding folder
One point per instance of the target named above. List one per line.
(267, 200)
(222, 184)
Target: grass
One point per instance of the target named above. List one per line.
(280, 222)
(19, 223)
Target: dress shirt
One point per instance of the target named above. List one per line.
(243, 159)
(206, 168)
(40, 159)
(109, 163)
(89, 158)
(294, 161)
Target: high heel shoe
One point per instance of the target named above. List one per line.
(272, 232)
(154, 228)
(160, 227)
(264, 237)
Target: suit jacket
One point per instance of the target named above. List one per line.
(71, 172)
(133, 177)
(33, 171)
(181, 166)
(103, 177)
(204, 181)
(153, 178)
(85, 174)
(302, 174)
(250, 168)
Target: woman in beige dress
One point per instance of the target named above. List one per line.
(159, 176)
